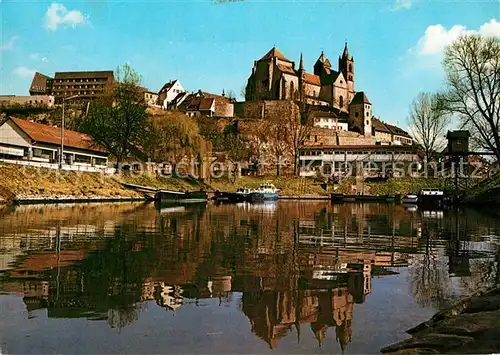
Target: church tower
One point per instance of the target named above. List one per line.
(346, 67)
(300, 74)
(322, 67)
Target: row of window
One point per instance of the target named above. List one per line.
(38, 101)
(92, 80)
(95, 86)
(70, 93)
(331, 152)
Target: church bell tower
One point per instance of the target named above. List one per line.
(346, 67)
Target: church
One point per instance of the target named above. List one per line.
(274, 77)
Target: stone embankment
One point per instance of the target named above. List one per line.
(471, 326)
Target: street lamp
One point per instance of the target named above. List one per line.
(61, 156)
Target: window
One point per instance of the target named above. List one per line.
(341, 101)
(367, 113)
(367, 122)
(315, 139)
(350, 67)
(356, 114)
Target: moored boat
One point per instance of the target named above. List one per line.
(241, 195)
(409, 199)
(165, 196)
(265, 192)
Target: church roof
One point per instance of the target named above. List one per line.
(346, 52)
(323, 59)
(286, 69)
(274, 52)
(360, 98)
(312, 79)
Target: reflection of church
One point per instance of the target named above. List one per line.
(273, 314)
(320, 303)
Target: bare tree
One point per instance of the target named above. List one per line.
(472, 65)
(428, 122)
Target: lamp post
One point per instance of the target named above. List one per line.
(61, 155)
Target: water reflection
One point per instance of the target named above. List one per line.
(297, 267)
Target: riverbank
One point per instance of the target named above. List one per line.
(20, 184)
(470, 326)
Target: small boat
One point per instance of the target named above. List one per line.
(165, 196)
(265, 192)
(409, 199)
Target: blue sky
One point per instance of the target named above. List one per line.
(397, 44)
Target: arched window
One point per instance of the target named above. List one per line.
(283, 90)
(292, 91)
(341, 101)
(350, 67)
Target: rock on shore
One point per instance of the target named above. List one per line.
(471, 326)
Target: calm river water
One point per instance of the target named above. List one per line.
(286, 277)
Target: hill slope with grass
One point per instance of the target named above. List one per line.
(19, 182)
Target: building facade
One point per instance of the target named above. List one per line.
(85, 84)
(29, 141)
(358, 160)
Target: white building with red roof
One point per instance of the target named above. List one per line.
(25, 141)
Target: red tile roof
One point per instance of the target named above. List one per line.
(380, 126)
(312, 79)
(52, 135)
(286, 69)
(398, 131)
(206, 103)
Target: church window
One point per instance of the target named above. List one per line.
(292, 91)
(341, 101)
(350, 67)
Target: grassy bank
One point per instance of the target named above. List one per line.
(401, 186)
(18, 182)
(27, 182)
